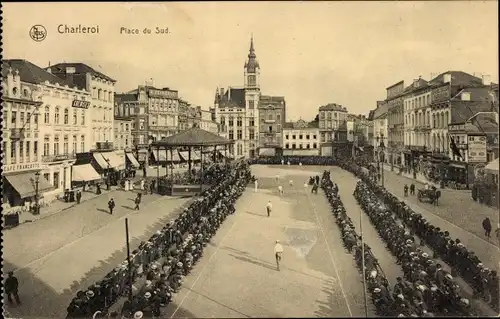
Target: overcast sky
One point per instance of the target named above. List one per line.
(311, 53)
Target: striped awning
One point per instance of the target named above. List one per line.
(25, 185)
(160, 155)
(84, 172)
(133, 160)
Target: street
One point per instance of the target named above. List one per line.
(457, 213)
(56, 256)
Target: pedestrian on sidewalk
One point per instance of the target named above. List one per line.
(11, 288)
(137, 202)
(111, 206)
(412, 189)
(78, 197)
(269, 207)
(487, 227)
(280, 190)
(256, 184)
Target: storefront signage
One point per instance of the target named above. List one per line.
(81, 104)
(20, 167)
(477, 149)
(162, 94)
(440, 94)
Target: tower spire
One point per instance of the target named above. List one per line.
(252, 61)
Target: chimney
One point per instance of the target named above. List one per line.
(447, 78)
(486, 79)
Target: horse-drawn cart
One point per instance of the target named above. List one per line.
(428, 195)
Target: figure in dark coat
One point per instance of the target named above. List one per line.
(487, 227)
(111, 206)
(11, 288)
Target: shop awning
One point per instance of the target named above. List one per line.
(195, 156)
(100, 160)
(24, 183)
(114, 160)
(184, 155)
(493, 166)
(173, 156)
(223, 154)
(84, 172)
(267, 152)
(133, 160)
(160, 155)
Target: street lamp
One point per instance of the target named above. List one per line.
(37, 197)
(382, 156)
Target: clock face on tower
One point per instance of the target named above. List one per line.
(251, 80)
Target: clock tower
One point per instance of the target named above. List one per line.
(252, 96)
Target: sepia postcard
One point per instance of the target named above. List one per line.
(250, 159)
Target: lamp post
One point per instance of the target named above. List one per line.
(37, 196)
(382, 156)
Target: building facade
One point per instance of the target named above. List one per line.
(395, 122)
(189, 116)
(102, 88)
(236, 110)
(380, 132)
(301, 138)
(272, 117)
(64, 124)
(332, 127)
(207, 123)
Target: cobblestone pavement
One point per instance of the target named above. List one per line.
(56, 256)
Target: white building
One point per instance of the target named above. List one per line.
(64, 122)
(206, 122)
(380, 129)
(301, 138)
(102, 88)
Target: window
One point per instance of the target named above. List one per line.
(287, 145)
(308, 146)
(56, 145)
(56, 115)
(329, 116)
(251, 80)
(46, 117)
(126, 128)
(231, 121)
(21, 151)
(278, 117)
(270, 117)
(252, 122)
(294, 137)
(251, 134)
(12, 152)
(300, 136)
(251, 104)
(28, 149)
(141, 124)
(315, 145)
(46, 176)
(65, 145)
(240, 134)
(35, 150)
(322, 137)
(56, 180)
(74, 144)
(294, 146)
(270, 128)
(287, 136)
(239, 122)
(314, 136)
(66, 116)
(75, 117)
(46, 145)
(82, 118)
(141, 139)
(35, 120)
(231, 135)
(307, 136)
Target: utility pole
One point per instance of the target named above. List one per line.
(129, 268)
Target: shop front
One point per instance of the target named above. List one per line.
(21, 184)
(112, 164)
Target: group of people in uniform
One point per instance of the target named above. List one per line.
(158, 266)
(397, 222)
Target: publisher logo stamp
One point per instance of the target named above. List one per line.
(38, 33)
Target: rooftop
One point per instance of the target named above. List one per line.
(458, 78)
(32, 73)
(79, 69)
(233, 97)
(333, 107)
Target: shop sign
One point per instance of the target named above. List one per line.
(162, 93)
(440, 94)
(477, 149)
(81, 104)
(20, 167)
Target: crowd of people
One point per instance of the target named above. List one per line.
(463, 262)
(293, 160)
(158, 266)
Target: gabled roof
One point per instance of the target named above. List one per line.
(458, 78)
(421, 83)
(80, 68)
(32, 73)
(192, 137)
(461, 111)
(233, 98)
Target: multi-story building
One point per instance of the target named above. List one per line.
(332, 127)
(417, 121)
(380, 131)
(63, 126)
(301, 138)
(237, 110)
(395, 122)
(189, 116)
(102, 88)
(272, 112)
(136, 106)
(123, 134)
(207, 123)
(20, 133)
